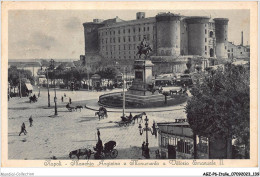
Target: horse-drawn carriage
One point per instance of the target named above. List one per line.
(127, 120)
(70, 108)
(33, 99)
(107, 152)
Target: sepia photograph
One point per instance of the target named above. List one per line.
(129, 84)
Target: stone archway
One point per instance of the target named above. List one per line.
(211, 52)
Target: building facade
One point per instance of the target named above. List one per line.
(174, 38)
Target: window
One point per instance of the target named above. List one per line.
(205, 31)
(128, 30)
(118, 31)
(106, 33)
(110, 32)
(134, 29)
(134, 38)
(124, 47)
(225, 39)
(205, 39)
(139, 38)
(148, 28)
(119, 49)
(148, 37)
(129, 39)
(241, 53)
(124, 31)
(114, 32)
(211, 34)
(225, 47)
(205, 47)
(144, 28)
(106, 40)
(124, 39)
(205, 53)
(231, 49)
(139, 29)
(129, 48)
(118, 39)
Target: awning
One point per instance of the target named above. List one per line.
(29, 86)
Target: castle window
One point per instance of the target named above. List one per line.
(211, 34)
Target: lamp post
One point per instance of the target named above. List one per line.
(124, 92)
(49, 104)
(146, 129)
(55, 97)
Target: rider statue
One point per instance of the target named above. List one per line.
(144, 48)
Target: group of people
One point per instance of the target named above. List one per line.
(62, 98)
(23, 128)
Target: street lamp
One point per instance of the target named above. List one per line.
(49, 104)
(146, 129)
(55, 97)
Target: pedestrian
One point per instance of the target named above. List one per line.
(64, 94)
(70, 100)
(61, 98)
(31, 121)
(23, 130)
(147, 151)
(98, 133)
(157, 152)
(143, 148)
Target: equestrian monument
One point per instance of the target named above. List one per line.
(142, 93)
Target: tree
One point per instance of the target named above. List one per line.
(219, 107)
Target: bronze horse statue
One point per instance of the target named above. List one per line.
(144, 50)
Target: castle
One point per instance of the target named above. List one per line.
(174, 38)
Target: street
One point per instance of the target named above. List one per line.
(57, 136)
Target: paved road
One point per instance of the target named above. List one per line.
(57, 136)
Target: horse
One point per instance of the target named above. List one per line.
(101, 114)
(81, 152)
(79, 107)
(139, 116)
(144, 50)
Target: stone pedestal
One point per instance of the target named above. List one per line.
(143, 78)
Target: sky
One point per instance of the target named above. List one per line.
(59, 34)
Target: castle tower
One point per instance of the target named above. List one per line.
(91, 36)
(140, 15)
(221, 30)
(198, 36)
(168, 34)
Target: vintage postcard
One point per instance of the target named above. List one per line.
(129, 84)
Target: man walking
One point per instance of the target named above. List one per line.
(70, 100)
(61, 98)
(23, 130)
(31, 121)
